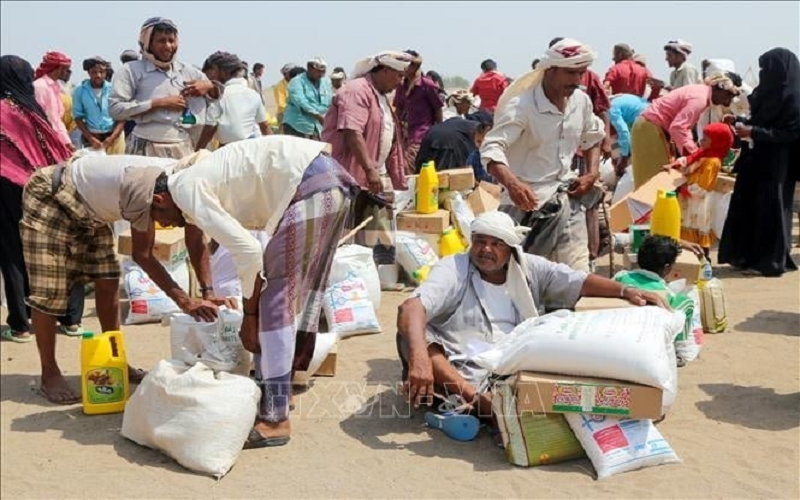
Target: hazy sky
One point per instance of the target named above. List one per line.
(453, 37)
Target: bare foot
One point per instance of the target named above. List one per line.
(56, 389)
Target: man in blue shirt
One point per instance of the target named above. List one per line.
(625, 109)
(90, 110)
(310, 96)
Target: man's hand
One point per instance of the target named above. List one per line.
(172, 103)
(641, 298)
(374, 183)
(320, 119)
(582, 185)
(95, 143)
(249, 333)
(419, 386)
(199, 309)
(729, 119)
(229, 302)
(522, 195)
(695, 248)
(196, 88)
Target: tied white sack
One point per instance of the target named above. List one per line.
(355, 261)
(198, 417)
(217, 344)
(620, 445)
(630, 344)
(148, 303)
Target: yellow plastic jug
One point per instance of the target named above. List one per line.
(665, 220)
(421, 274)
(450, 243)
(104, 373)
(426, 197)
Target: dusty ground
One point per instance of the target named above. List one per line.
(736, 425)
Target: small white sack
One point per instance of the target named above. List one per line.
(216, 344)
(608, 176)
(632, 344)
(199, 418)
(413, 252)
(720, 202)
(355, 261)
(348, 309)
(620, 445)
(624, 186)
(323, 345)
(148, 303)
(464, 216)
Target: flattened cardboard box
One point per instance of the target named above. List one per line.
(549, 393)
(169, 246)
(434, 223)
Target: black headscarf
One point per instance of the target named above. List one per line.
(16, 82)
(225, 61)
(775, 103)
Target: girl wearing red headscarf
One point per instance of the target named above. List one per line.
(701, 169)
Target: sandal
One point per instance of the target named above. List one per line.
(18, 337)
(256, 440)
(71, 331)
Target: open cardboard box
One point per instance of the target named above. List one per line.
(637, 205)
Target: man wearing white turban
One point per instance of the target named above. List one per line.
(683, 72)
(471, 300)
(541, 121)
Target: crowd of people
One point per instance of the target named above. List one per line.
(342, 145)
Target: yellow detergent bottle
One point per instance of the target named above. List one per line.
(426, 198)
(421, 274)
(450, 243)
(104, 373)
(665, 220)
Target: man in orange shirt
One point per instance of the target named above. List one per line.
(489, 86)
(626, 76)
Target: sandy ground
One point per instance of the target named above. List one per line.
(736, 425)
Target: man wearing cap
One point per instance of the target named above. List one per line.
(541, 121)
(67, 240)
(683, 72)
(625, 76)
(281, 90)
(473, 299)
(157, 91)
(90, 110)
(309, 98)
(54, 67)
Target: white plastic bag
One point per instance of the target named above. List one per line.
(348, 309)
(620, 445)
(719, 211)
(413, 252)
(624, 186)
(199, 418)
(355, 261)
(632, 344)
(464, 216)
(608, 176)
(323, 345)
(148, 303)
(216, 344)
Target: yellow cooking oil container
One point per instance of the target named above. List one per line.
(450, 243)
(104, 373)
(426, 197)
(665, 219)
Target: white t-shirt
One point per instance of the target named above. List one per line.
(242, 111)
(501, 311)
(387, 134)
(98, 180)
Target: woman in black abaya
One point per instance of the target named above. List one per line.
(757, 233)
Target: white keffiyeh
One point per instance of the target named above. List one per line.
(398, 61)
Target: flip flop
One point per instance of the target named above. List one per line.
(9, 335)
(456, 426)
(63, 330)
(256, 440)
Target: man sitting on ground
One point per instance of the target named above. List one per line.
(479, 296)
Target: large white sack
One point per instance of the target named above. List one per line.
(632, 344)
(199, 418)
(355, 261)
(348, 309)
(148, 303)
(216, 344)
(620, 445)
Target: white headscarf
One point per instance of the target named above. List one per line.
(679, 45)
(567, 53)
(318, 63)
(719, 66)
(146, 38)
(398, 61)
(722, 81)
(501, 226)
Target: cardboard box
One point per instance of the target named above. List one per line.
(328, 367)
(483, 199)
(549, 393)
(635, 206)
(434, 223)
(460, 179)
(686, 267)
(724, 183)
(169, 246)
(444, 179)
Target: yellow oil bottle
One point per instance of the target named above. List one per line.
(104, 373)
(450, 243)
(665, 220)
(426, 197)
(421, 274)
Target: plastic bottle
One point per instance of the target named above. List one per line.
(187, 118)
(705, 273)
(421, 274)
(450, 243)
(665, 220)
(426, 198)
(104, 373)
